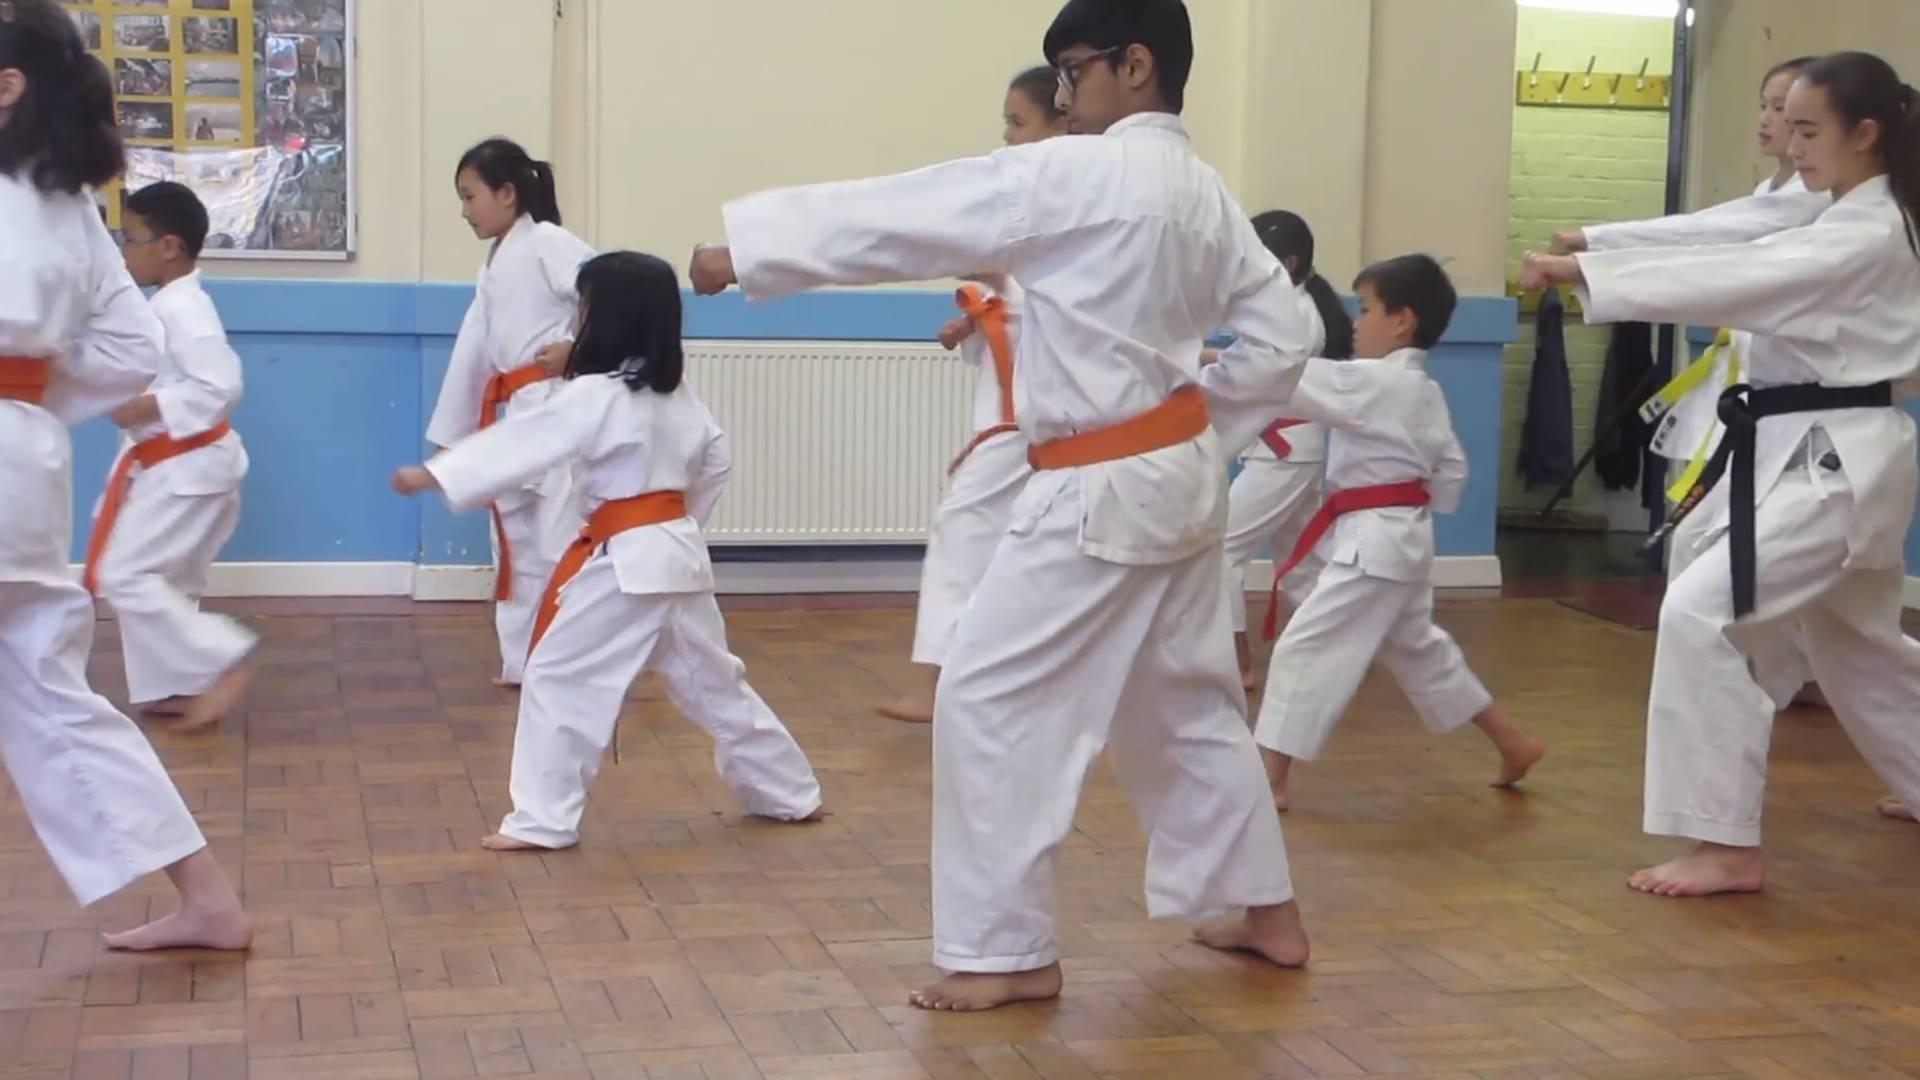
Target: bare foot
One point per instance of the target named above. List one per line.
(1705, 871)
(1893, 807)
(1517, 759)
(1273, 932)
(211, 707)
(1278, 766)
(228, 929)
(972, 992)
(908, 711)
(499, 842)
(173, 706)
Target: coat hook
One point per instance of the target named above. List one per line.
(1588, 82)
(1643, 72)
(1534, 79)
(1615, 89)
(1564, 80)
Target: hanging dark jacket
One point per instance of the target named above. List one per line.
(1546, 439)
(1619, 455)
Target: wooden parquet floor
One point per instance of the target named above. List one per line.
(1458, 932)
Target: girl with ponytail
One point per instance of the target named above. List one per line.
(77, 341)
(515, 340)
(1278, 487)
(1811, 492)
(635, 592)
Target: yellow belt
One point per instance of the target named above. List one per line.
(1663, 402)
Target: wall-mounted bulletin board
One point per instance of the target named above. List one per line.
(248, 102)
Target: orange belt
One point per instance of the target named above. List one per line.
(1339, 503)
(1277, 442)
(1180, 418)
(990, 312)
(24, 378)
(146, 454)
(612, 519)
(500, 390)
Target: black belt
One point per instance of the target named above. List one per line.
(1741, 410)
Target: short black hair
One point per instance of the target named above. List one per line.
(1161, 26)
(171, 209)
(1414, 283)
(632, 324)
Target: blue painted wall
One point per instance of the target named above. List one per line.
(341, 377)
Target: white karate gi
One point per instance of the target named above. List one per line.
(976, 508)
(1389, 425)
(92, 786)
(1781, 663)
(1271, 500)
(524, 301)
(644, 600)
(1102, 616)
(179, 514)
(1830, 302)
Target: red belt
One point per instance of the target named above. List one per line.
(1180, 418)
(24, 378)
(612, 519)
(1338, 503)
(500, 390)
(1277, 442)
(146, 454)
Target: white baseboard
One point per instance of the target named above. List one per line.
(1910, 595)
(802, 577)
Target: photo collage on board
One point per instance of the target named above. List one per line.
(245, 101)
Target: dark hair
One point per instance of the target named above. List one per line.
(63, 131)
(171, 209)
(1286, 235)
(1414, 283)
(499, 162)
(1161, 26)
(1796, 65)
(1039, 84)
(1861, 87)
(632, 324)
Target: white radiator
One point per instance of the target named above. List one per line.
(833, 443)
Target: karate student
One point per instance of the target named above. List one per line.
(989, 472)
(1102, 616)
(173, 498)
(1815, 479)
(1278, 485)
(77, 340)
(635, 591)
(1392, 459)
(512, 342)
(1690, 429)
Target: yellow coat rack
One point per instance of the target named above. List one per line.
(1593, 90)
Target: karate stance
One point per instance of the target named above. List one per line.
(1690, 429)
(635, 591)
(1102, 617)
(1392, 460)
(173, 498)
(1278, 486)
(987, 476)
(1812, 490)
(512, 342)
(77, 340)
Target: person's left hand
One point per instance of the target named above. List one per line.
(139, 412)
(711, 270)
(412, 479)
(1540, 271)
(553, 358)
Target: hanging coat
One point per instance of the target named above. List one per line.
(1546, 439)
(1619, 454)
